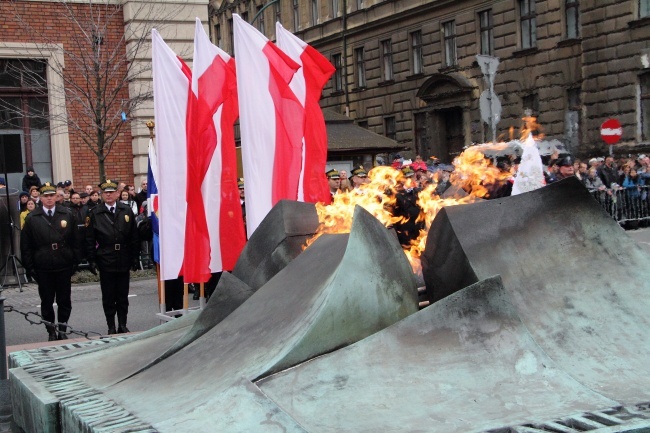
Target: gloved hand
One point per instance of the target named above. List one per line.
(92, 268)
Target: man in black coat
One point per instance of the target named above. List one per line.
(50, 249)
(112, 246)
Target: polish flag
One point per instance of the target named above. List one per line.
(171, 89)
(271, 122)
(307, 85)
(215, 226)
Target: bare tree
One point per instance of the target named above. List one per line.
(103, 69)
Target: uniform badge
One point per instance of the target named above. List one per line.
(126, 218)
(87, 222)
(64, 223)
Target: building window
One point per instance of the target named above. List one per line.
(573, 120)
(420, 121)
(244, 16)
(360, 67)
(363, 124)
(335, 8)
(530, 105)
(217, 35)
(417, 63)
(231, 38)
(338, 73)
(389, 127)
(644, 8)
(527, 23)
(449, 35)
(278, 11)
(387, 60)
(296, 15)
(572, 14)
(24, 112)
(260, 20)
(486, 32)
(644, 81)
(359, 5)
(314, 12)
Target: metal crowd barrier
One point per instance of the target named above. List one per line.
(625, 205)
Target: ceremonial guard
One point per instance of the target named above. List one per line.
(51, 248)
(112, 246)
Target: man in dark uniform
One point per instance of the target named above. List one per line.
(112, 245)
(50, 248)
(334, 181)
(406, 206)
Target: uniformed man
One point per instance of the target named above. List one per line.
(358, 176)
(565, 168)
(51, 248)
(112, 246)
(333, 180)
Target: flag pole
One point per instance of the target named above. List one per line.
(161, 284)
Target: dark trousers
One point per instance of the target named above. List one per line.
(115, 296)
(55, 286)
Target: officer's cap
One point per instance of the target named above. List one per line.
(359, 171)
(47, 188)
(333, 174)
(108, 186)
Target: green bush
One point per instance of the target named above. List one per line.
(83, 277)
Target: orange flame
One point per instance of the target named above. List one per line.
(470, 181)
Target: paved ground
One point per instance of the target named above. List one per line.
(87, 314)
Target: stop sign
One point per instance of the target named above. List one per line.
(611, 131)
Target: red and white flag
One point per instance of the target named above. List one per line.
(271, 122)
(307, 84)
(215, 228)
(171, 88)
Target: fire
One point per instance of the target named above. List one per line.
(470, 180)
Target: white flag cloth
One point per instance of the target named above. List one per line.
(171, 86)
(270, 118)
(307, 84)
(215, 224)
(530, 175)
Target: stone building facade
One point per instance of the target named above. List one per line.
(408, 69)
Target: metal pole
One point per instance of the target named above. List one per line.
(262, 10)
(3, 341)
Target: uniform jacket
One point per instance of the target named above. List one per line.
(50, 244)
(112, 241)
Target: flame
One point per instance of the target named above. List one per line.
(530, 127)
(470, 181)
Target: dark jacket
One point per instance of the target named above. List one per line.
(30, 181)
(50, 244)
(608, 175)
(112, 240)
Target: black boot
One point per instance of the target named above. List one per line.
(62, 334)
(51, 333)
(111, 325)
(122, 329)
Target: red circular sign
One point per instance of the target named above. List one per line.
(611, 131)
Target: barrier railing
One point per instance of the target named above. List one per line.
(625, 204)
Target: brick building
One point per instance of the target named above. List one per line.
(48, 49)
(408, 70)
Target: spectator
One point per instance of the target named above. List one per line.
(88, 189)
(35, 194)
(125, 198)
(345, 182)
(632, 183)
(142, 195)
(608, 172)
(77, 207)
(93, 200)
(60, 197)
(67, 186)
(29, 207)
(23, 198)
(30, 179)
(592, 182)
(84, 196)
(132, 193)
(242, 198)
